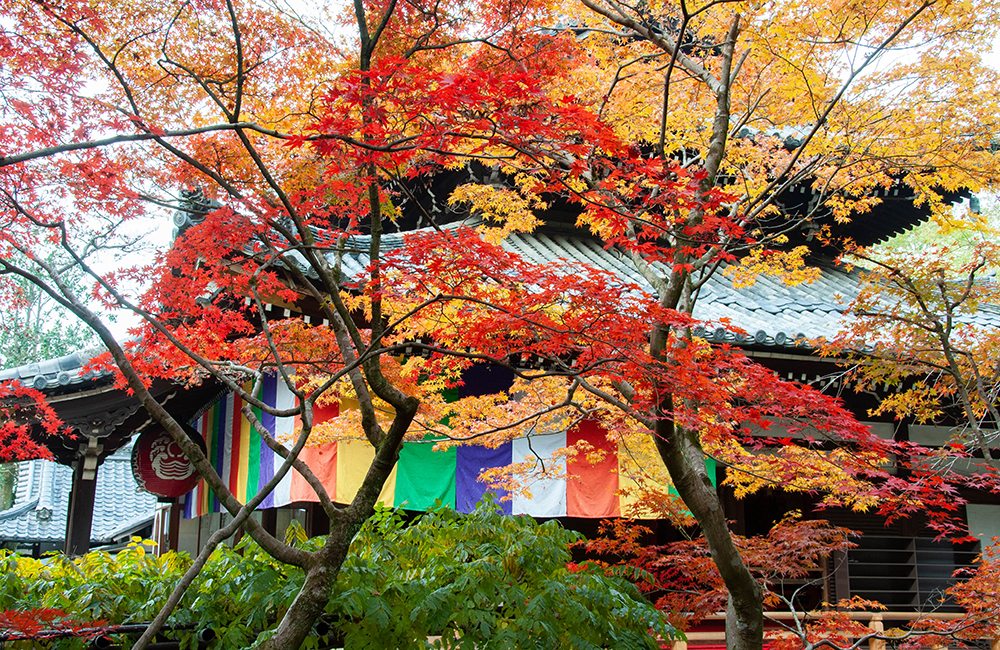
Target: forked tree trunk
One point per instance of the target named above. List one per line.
(321, 577)
(309, 603)
(297, 623)
(321, 573)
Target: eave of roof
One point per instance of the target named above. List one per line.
(61, 375)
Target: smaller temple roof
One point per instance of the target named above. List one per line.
(41, 502)
(65, 372)
(89, 404)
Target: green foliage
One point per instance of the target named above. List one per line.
(96, 586)
(238, 594)
(483, 580)
(118, 589)
(478, 580)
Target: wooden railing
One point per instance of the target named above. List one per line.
(876, 623)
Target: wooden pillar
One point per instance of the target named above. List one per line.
(841, 576)
(317, 523)
(269, 520)
(876, 625)
(80, 515)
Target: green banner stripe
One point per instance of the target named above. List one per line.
(425, 477)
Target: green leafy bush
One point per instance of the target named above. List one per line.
(482, 580)
(114, 589)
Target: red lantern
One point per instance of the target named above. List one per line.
(160, 466)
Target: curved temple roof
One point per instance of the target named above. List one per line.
(770, 312)
(64, 372)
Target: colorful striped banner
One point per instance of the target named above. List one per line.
(423, 477)
(229, 437)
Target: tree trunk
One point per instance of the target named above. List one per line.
(682, 454)
(321, 574)
(311, 601)
(8, 475)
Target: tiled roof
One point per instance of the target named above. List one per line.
(42, 500)
(770, 312)
(64, 372)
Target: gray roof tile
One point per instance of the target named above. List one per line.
(55, 373)
(42, 500)
(764, 310)
(771, 312)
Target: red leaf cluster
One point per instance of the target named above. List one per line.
(41, 623)
(21, 408)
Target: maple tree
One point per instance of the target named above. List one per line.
(686, 583)
(671, 129)
(975, 590)
(704, 200)
(920, 328)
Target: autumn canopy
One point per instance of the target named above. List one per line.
(677, 135)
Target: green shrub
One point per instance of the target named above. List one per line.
(482, 580)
